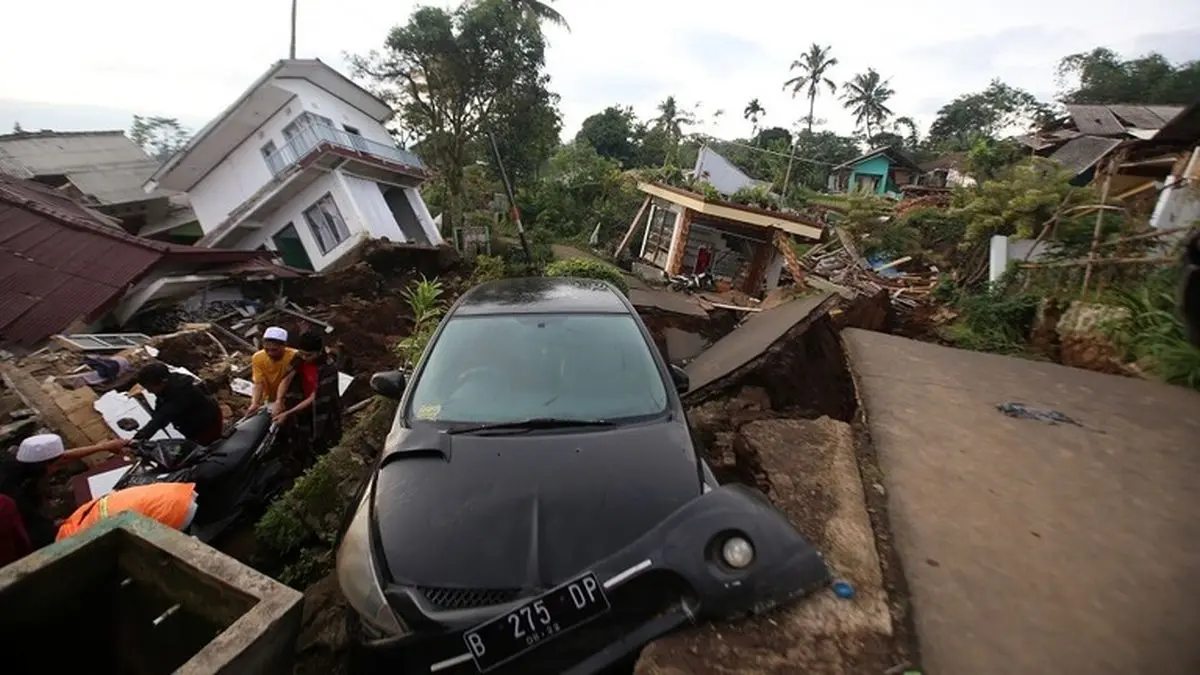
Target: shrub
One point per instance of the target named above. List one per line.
(588, 268)
(487, 268)
(297, 532)
(424, 299)
(1155, 337)
(991, 321)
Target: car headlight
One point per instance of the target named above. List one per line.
(737, 552)
(356, 576)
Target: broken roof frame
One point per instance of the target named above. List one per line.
(737, 213)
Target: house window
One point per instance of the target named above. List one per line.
(356, 138)
(308, 126)
(326, 222)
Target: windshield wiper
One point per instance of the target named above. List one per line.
(532, 424)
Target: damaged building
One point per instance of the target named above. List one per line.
(64, 268)
(686, 232)
(301, 164)
(104, 171)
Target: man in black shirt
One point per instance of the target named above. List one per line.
(183, 402)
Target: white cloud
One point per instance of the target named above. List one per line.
(190, 59)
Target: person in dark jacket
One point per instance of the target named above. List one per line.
(182, 402)
(308, 405)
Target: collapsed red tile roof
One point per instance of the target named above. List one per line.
(60, 262)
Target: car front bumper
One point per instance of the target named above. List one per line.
(669, 577)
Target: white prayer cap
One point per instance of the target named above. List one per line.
(275, 333)
(40, 448)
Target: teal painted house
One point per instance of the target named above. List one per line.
(883, 171)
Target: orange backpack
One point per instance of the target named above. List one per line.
(167, 503)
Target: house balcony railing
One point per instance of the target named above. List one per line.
(313, 135)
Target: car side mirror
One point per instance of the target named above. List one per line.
(389, 383)
(680, 377)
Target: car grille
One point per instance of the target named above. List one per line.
(468, 598)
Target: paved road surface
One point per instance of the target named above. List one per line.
(1034, 548)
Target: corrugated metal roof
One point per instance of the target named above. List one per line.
(721, 173)
(106, 165)
(1081, 153)
(1095, 120)
(59, 264)
(1138, 116)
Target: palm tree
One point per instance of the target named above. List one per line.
(541, 11)
(672, 120)
(813, 65)
(753, 112)
(866, 96)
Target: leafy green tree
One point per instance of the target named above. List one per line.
(866, 96)
(526, 124)
(652, 145)
(160, 137)
(449, 73)
(753, 112)
(611, 133)
(985, 114)
(1104, 77)
(1018, 201)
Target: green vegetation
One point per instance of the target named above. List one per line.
(992, 321)
(487, 268)
(297, 533)
(588, 268)
(1155, 336)
(424, 298)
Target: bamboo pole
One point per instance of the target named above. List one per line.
(632, 228)
(1100, 261)
(1108, 174)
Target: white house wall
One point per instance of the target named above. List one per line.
(293, 212)
(374, 209)
(242, 173)
(320, 102)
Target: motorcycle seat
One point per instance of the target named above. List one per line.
(233, 450)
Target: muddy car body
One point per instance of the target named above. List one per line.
(555, 517)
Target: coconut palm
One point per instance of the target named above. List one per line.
(671, 119)
(754, 112)
(813, 66)
(541, 11)
(866, 96)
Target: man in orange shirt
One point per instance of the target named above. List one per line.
(268, 366)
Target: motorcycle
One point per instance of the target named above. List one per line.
(234, 477)
(690, 282)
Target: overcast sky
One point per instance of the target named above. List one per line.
(83, 64)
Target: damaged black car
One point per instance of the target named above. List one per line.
(539, 505)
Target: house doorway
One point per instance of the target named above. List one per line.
(402, 211)
(291, 248)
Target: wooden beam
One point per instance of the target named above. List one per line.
(632, 228)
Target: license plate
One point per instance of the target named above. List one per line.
(559, 610)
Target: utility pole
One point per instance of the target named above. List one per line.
(292, 50)
(512, 201)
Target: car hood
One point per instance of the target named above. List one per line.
(524, 511)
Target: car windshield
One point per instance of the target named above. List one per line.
(506, 368)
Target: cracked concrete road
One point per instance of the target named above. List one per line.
(1029, 547)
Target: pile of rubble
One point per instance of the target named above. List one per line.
(836, 266)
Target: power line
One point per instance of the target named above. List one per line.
(809, 160)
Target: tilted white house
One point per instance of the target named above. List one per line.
(301, 164)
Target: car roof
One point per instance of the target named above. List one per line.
(542, 295)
